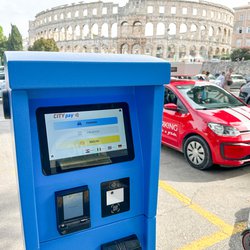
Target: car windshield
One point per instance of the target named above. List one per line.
(211, 77)
(208, 97)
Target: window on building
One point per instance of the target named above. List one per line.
(240, 30)
(184, 11)
(212, 14)
(248, 42)
(49, 18)
(161, 9)
(204, 12)
(150, 9)
(104, 10)
(69, 15)
(173, 10)
(94, 12)
(241, 17)
(238, 43)
(62, 16)
(115, 10)
(85, 12)
(248, 29)
(55, 17)
(77, 13)
(194, 12)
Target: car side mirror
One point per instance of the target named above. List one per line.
(171, 106)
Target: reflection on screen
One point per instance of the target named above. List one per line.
(72, 206)
(84, 133)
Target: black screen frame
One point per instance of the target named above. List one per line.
(42, 133)
(65, 226)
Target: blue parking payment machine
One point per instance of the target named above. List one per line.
(87, 130)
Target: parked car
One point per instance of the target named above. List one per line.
(247, 78)
(184, 77)
(208, 124)
(2, 83)
(238, 81)
(202, 77)
(245, 93)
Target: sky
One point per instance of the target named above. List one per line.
(20, 12)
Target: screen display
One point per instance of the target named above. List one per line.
(76, 137)
(72, 206)
(84, 133)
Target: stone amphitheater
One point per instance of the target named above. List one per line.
(175, 30)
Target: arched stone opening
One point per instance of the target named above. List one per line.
(136, 49)
(137, 28)
(159, 51)
(124, 49)
(149, 29)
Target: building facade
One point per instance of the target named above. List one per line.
(175, 30)
(241, 31)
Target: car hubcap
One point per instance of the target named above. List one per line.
(195, 152)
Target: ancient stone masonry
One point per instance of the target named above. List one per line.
(170, 29)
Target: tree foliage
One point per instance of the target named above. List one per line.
(240, 54)
(3, 44)
(15, 41)
(44, 45)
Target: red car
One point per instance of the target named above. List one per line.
(207, 123)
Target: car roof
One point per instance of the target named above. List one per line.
(176, 82)
(181, 75)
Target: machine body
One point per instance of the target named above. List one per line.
(87, 132)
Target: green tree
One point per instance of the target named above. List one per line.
(3, 44)
(240, 54)
(44, 45)
(15, 40)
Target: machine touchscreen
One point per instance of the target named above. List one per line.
(73, 137)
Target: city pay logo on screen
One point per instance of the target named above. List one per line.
(66, 115)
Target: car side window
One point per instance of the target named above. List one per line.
(170, 97)
(181, 106)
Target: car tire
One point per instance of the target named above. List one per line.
(197, 152)
(248, 101)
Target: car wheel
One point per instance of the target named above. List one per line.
(248, 101)
(197, 153)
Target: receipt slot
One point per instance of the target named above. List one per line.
(87, 130)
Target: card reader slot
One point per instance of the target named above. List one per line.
(83, 161)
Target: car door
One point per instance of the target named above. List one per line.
(174, 122)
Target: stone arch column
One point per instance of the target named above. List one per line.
(166, 28)
(154, 28)
(178, 24)
(177, 52)
(81, 28)
(187, 51)
(100, 23)
(165, 50)
(110, 27)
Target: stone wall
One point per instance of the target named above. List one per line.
(217, 67)
(176, 30)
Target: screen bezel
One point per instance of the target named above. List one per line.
(42, 133)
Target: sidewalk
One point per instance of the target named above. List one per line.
(10, 226)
